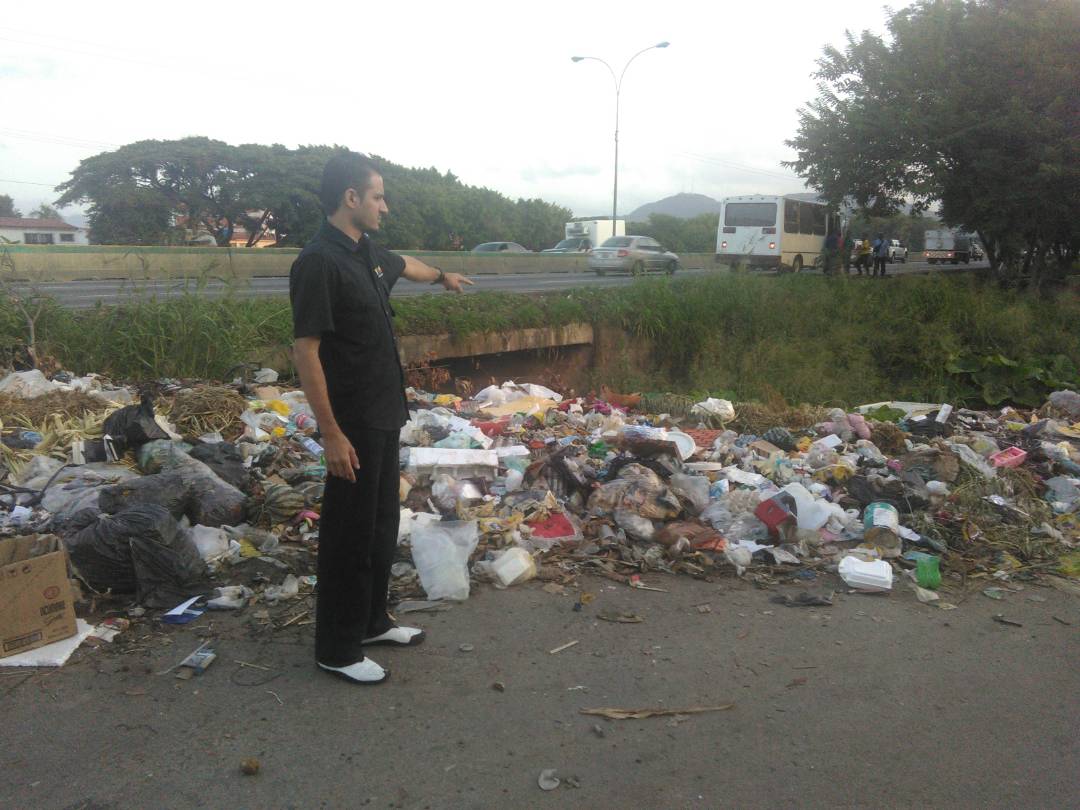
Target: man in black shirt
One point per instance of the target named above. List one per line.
(346, 354)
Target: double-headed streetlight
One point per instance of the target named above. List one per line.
(618, 88)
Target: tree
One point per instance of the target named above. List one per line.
(694, 235)
(131, 216)
(972, 103)
(7, 207)
(138, 192)
(45, 211)
(198, 177)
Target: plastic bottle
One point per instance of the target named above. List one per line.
(310, 445)
(928, 572)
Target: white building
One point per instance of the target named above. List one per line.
(40, 232)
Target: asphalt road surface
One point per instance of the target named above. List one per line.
(877, 701)
(84, 294)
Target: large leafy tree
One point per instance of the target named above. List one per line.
(137, 192)
(969, 103)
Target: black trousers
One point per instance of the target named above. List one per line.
(357, 538)
(879, 265)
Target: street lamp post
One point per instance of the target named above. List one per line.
(618, 89)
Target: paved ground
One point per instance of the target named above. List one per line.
(84, 294)
(877, 701)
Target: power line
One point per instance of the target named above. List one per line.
(56, 140)
(738, 166)
(27, 183)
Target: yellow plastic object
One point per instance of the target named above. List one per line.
(803, 444)
(278, 432)
(447, 399)
(279, 407)
(247, 549)
(529, 406)
(1070, 564)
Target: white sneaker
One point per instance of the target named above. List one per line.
(398, 636)
(364, 672)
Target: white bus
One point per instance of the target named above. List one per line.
(781, 232)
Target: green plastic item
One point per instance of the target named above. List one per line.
(599, 449)
(928, 572)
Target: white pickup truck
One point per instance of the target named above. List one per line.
(897, 251)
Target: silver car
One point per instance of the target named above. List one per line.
(635, 255)
(500, 247)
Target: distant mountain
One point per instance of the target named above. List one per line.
(684, 206)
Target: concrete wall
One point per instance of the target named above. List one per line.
(89, 262)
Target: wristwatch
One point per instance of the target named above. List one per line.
(441, 276)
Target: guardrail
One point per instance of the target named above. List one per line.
(101, 262)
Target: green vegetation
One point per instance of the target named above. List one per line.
(809, 338)
(970, 103)
(694, 235)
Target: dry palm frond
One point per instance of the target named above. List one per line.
(207, 410)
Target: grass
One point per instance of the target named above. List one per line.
(804, 338)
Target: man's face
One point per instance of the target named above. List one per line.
(368, 209)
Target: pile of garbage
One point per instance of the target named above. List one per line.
(189, 496)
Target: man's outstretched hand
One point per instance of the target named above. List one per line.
(454, 281)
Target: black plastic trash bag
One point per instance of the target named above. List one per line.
(225, 460)
(134, 425)
(165, 489)
(213, 502)
(142, 551)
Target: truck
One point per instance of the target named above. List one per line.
(584, 235)
(947, 246)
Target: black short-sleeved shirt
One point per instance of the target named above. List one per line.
(340, 293)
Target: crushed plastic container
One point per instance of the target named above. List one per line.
(876, 575)
(1011, 457)
(514, 566)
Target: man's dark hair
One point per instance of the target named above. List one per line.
(344, 171)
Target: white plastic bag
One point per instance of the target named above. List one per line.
(211, 541)
(441, 552)
(694, 488)
(719, 408)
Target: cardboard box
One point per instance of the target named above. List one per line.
(36, 604)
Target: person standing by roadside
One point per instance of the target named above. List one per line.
(346, 354)
(832, 244)
(881, 254)
(847, 246)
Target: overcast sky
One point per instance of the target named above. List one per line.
(485, 90)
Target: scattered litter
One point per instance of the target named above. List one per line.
(565, 646)
(804, 599)
(621, 618)
(548, 780)
(1002, 620)
(643, 714)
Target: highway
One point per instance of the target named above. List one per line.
(85, 294)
